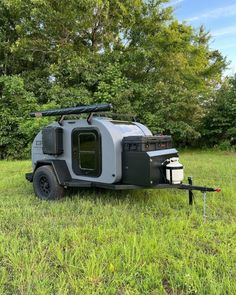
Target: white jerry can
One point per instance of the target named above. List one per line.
(174, 171)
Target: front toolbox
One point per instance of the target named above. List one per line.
(145, 168)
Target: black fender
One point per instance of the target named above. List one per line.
(59, 167)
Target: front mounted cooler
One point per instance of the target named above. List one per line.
(146, 143)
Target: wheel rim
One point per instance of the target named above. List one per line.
(44, 185)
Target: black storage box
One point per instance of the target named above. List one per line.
(52, 139)
(145, 168)
(146, 143)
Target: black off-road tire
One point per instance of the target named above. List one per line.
(45, 184)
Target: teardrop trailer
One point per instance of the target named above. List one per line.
(104, 153)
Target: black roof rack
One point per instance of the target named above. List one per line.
(118, 116)
(74, 110)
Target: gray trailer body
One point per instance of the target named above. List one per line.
(111, 135)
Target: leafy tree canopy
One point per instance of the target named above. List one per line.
(132, 53)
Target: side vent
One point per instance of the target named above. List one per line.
(52, 139)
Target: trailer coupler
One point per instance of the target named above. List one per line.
(198, 188)
(190, 187)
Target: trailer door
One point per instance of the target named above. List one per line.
(86, 152)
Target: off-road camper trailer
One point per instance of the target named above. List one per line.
(101, 152)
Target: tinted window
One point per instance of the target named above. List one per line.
(87, 142)
(87, 161)
(86, 152)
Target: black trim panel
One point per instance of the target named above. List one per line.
(60, 168)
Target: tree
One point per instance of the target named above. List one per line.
(134, 54)
(15, 104)
(219, 125)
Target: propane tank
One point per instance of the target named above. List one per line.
(174, 171)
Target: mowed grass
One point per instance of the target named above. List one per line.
(132, 242)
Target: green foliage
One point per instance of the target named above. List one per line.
(138, 242)
(17, 130)
(220, 121)
(15, 105)
(114, 88)
(226, 146)
(134, 54)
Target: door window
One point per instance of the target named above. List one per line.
(86, 152)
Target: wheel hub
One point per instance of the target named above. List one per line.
(44, 185)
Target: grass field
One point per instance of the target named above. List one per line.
(139, 242)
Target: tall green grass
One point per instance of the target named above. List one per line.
(133, 242)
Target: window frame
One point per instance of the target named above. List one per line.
(76, 152)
